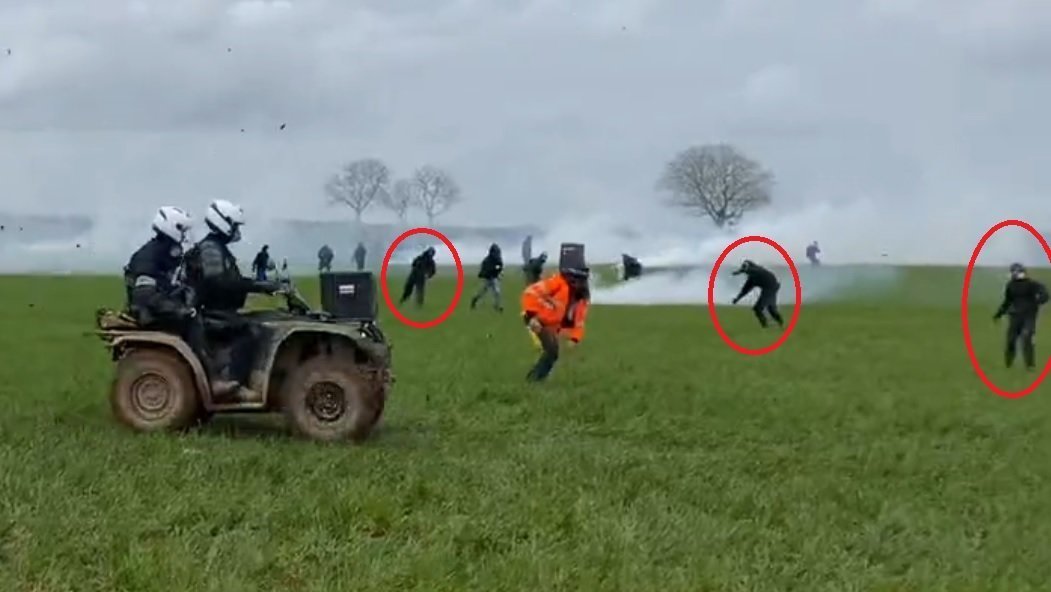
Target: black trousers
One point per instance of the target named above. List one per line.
(414, 284)
(1022, 328)
(190, 330)
(240, 336)
(767, 302)
(548, 356)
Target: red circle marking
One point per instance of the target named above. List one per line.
(795, 311)
(386, 291)
(966, 323)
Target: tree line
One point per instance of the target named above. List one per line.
(714, 181)
(368, 182)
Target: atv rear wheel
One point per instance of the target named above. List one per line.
(153, 391)
(326, 399)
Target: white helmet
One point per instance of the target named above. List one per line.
(173, 223)
(225, 218)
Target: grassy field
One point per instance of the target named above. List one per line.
(865, 454)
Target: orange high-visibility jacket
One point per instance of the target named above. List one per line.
(548, 299)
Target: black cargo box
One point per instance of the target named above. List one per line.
(349, 295)
(572, 256)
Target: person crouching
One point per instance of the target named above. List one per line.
(552, 307)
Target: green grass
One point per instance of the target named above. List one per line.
(864, 454)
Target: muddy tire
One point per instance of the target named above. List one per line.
(327, 400)
(154, 391)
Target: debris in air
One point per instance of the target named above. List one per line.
(282, 126)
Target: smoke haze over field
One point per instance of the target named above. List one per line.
(554, 114)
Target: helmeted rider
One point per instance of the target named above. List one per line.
(153, 299)
(222, 291)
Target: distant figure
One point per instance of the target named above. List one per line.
(527, 249)
(324, 258)
(534, 268)
(423, 269)
(766, 281)
(812, 251)
(261, 263)
(492, 267)
(359, 256)
(1023, 298)
(632, 267)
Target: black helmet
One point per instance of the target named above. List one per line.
(1017, 269)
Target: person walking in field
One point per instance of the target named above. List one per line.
(766, 281)
(812, 251)
(261, 263)
(1023, 297)
(423, 269)
(359, 256)
(492, 267)
(552, 308)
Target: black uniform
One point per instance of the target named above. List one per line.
(154, 301)
(212, 272)
(812, 252)
(261, 263)
(359, 256)
(1023, 298)
(632, 267)
(491, 268)
(766, 281)
(324, 258)
(534, 269)
(423, 269)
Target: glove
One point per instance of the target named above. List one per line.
(534, 325)
(736, 300)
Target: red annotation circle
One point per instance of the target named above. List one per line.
(795, 311)
(963, 310)
(386, 291)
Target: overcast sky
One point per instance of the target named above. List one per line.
(536, 106)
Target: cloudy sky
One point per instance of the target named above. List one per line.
(538, 107)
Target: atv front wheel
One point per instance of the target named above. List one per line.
(154, 391)
(326, 399)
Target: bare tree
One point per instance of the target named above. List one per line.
(718, 182)
(400, 198)
(359, 184)
(434, 191)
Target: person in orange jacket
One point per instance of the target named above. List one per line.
(553, 307)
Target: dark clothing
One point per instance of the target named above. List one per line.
(260, 264)
(548, 356)
(149, 292)
(212, 272)
(324, 258)
(492, 266)
(766, 281)
(157, 304)
(632, 267)
(811, 254)
(423, 269)
(1023, 298)
(534, 269)
(359, 256)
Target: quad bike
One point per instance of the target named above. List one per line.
(329, 377)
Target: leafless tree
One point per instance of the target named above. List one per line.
(400, 198)
(718, 182)
(434, 191)
(359, 184)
